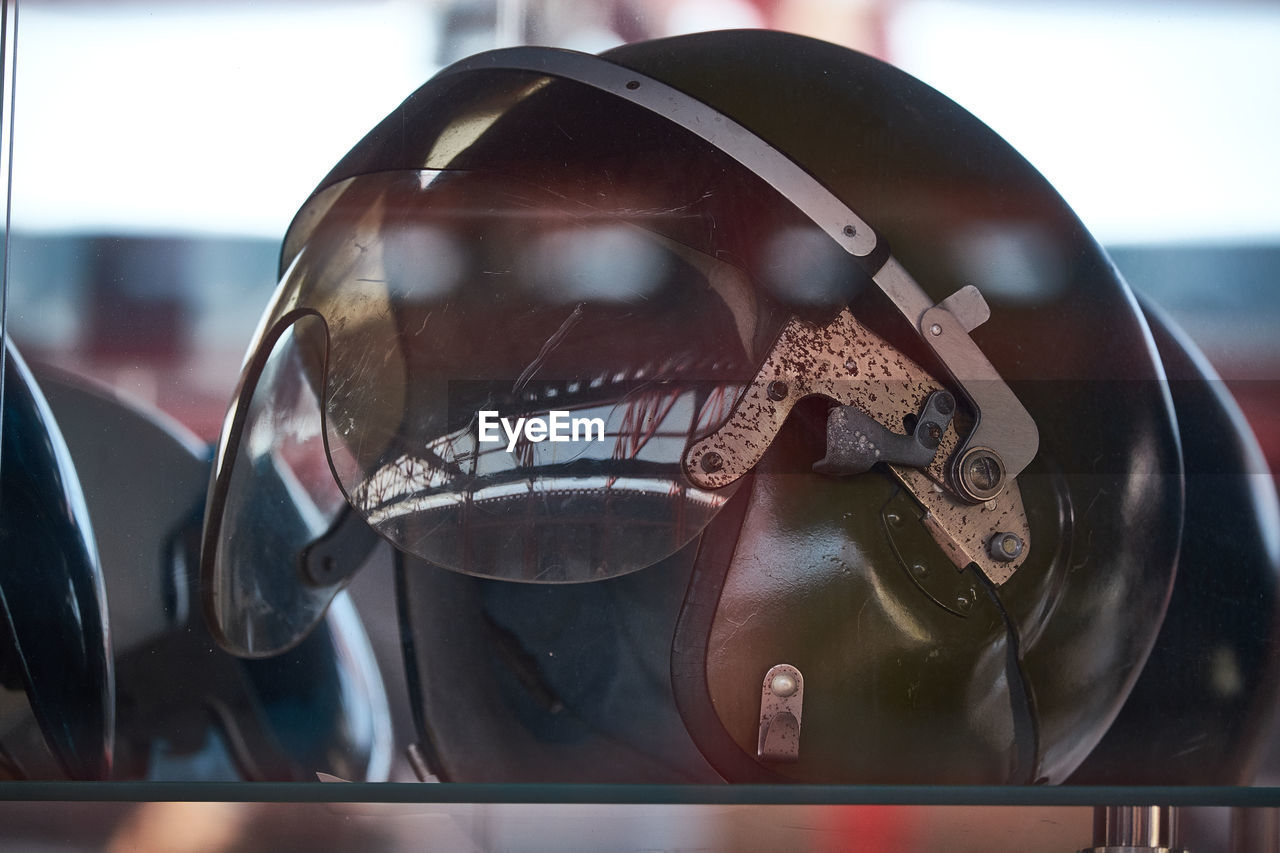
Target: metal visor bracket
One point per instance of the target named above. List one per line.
(847, 362)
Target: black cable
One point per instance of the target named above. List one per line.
(1022, 700)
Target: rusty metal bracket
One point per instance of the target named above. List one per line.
(847, 362)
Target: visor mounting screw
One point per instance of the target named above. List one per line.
(777, 390)
(935, 330)
(633, 84)
(980, 474)
(850, 231)
(964, 601)
(920, 570)
(783, 685)
(711, 462)
(1005, 547)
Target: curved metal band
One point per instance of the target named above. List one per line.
(726, 135)
(1002, 423)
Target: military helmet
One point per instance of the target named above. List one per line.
(738, 407)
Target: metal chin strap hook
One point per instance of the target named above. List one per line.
(781, 700)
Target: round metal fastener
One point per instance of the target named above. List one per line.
(931, 435)
(1005, 547)
(783, 685)
(777, 390)
(980, 474)
(711, 462)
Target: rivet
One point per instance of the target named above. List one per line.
(711, 462)
(932, 435)
(850, 231)
(783, 685)
(777, 390)
(935, 330)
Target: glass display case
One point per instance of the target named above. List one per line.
(644, 424)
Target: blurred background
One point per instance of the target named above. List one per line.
(161, 149)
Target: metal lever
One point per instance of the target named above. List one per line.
(856, 441)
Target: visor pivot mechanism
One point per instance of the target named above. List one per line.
(336, 555)
(856, 441)
(781, 698)
(980, 474)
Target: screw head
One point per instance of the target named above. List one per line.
(964, 601)
(711, 462)
(935, 330)
(944, 403)
(777, 390)
(850, 231)
(980, 474)
(983, 472)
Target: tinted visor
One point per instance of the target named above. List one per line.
(511, 382)
(510, 355)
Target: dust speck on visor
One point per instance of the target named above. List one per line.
(498, 353)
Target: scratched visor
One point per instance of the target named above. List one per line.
(499, 369)
(512, 382)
